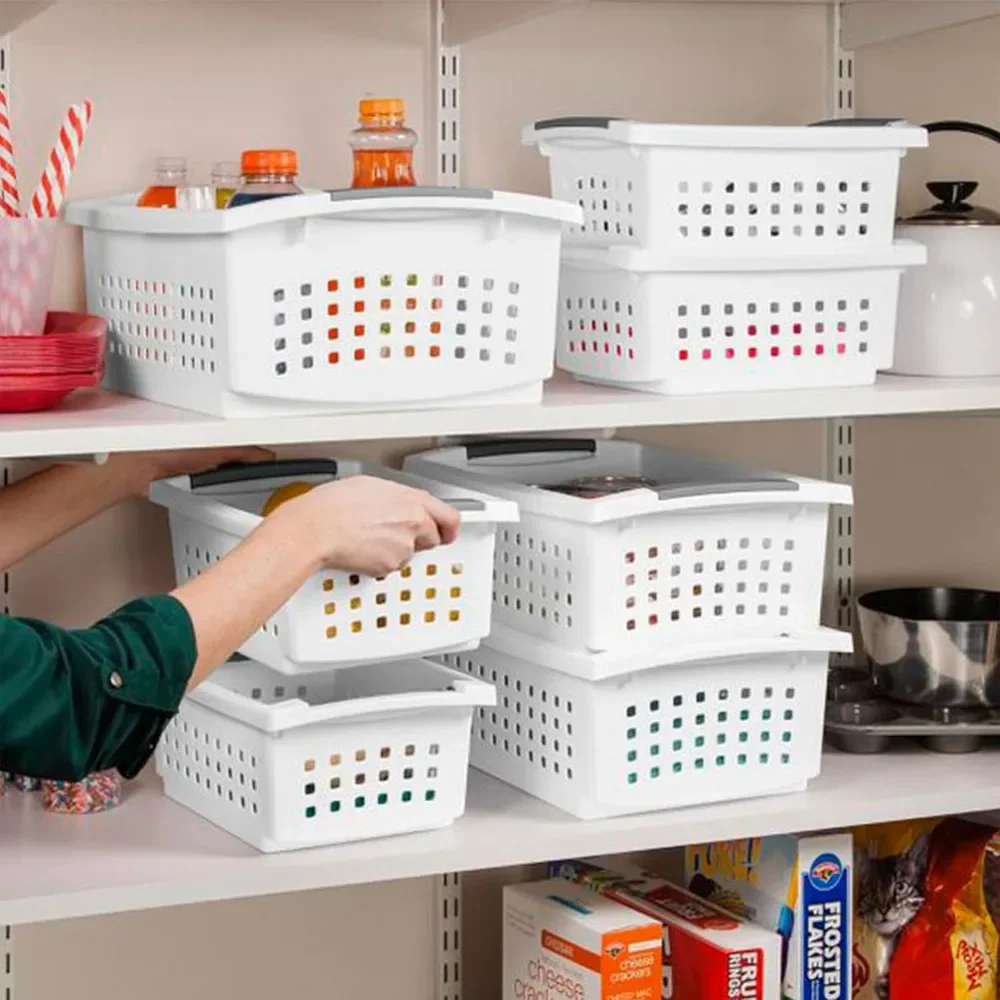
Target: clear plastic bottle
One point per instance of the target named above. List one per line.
(267, 173)
(171, 173)
(383, 145)
(226, 180)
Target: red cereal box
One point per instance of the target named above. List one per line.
(708, 954)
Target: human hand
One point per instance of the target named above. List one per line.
(139, 469)
(368, 525)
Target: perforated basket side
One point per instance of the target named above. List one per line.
(664, 738)
(754, 570)
(702, 333)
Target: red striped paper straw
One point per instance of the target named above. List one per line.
(10, 199)
(51, 191)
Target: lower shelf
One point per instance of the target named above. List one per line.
(150, 852)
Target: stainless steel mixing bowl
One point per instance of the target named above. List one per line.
(936, 646)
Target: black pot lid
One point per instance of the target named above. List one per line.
(953, 208)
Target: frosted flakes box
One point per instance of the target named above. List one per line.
(564, 942)
(708, 954)
(800, 887)
(927, 912)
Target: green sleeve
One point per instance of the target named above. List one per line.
(77, 701)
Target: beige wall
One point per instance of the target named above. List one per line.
(204, 79)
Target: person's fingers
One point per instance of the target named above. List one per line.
(447, 519)
(248, 454)
(428, 536)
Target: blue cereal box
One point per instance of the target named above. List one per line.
(799, 886)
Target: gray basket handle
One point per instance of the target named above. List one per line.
(495, 447)
(464, 506)
(374, 194)
(249, 472)
(766, 484)
(577, 121)
(857, 123)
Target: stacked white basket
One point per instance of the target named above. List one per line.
(358, 300)
(653, 648)
(719, 259)
(336, 732)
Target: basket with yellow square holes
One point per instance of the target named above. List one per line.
(441, 601)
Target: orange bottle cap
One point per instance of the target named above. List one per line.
(269, 161)
(381, 107)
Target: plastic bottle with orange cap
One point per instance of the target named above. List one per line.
(383, 157)
(383, 145)
(267, 173)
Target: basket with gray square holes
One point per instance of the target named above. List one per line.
(331, 301)
(710, 190)
(347, 755)
(659, 549)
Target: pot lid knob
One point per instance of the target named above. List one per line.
(952, 195)
(952, 208)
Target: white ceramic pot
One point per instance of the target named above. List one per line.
(949, 310)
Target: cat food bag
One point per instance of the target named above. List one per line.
(927, 917)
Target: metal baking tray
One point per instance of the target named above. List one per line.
(859, 722)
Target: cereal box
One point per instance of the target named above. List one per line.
(708, 954)
(798, 886)
(564, 942)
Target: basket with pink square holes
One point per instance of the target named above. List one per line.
(28, 238)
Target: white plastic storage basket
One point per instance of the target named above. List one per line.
(696, 548)
(363, 300)
(440, 601)
(348, 755)
(641, 737)
(709, 190)
(640, 321)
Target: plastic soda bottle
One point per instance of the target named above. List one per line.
(383, 145)
(171, 172)
(267, 173)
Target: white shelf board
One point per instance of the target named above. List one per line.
(99, 422)
(14, 13)
(865, 22)
(868, 22)
(151, 853)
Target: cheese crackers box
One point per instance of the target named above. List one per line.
(564, 942)
(708, 954)
(800, 887)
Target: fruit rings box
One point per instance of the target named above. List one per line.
(707, 952)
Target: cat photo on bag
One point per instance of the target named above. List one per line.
(927, 911)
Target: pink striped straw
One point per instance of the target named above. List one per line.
(10, 199)
(50, 194)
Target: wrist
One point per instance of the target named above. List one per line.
(298, 536)
(130, 475)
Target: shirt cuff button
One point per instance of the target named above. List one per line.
(115, 679)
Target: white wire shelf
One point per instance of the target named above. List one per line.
(151, 853)
(865, 22)
(102, 422)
